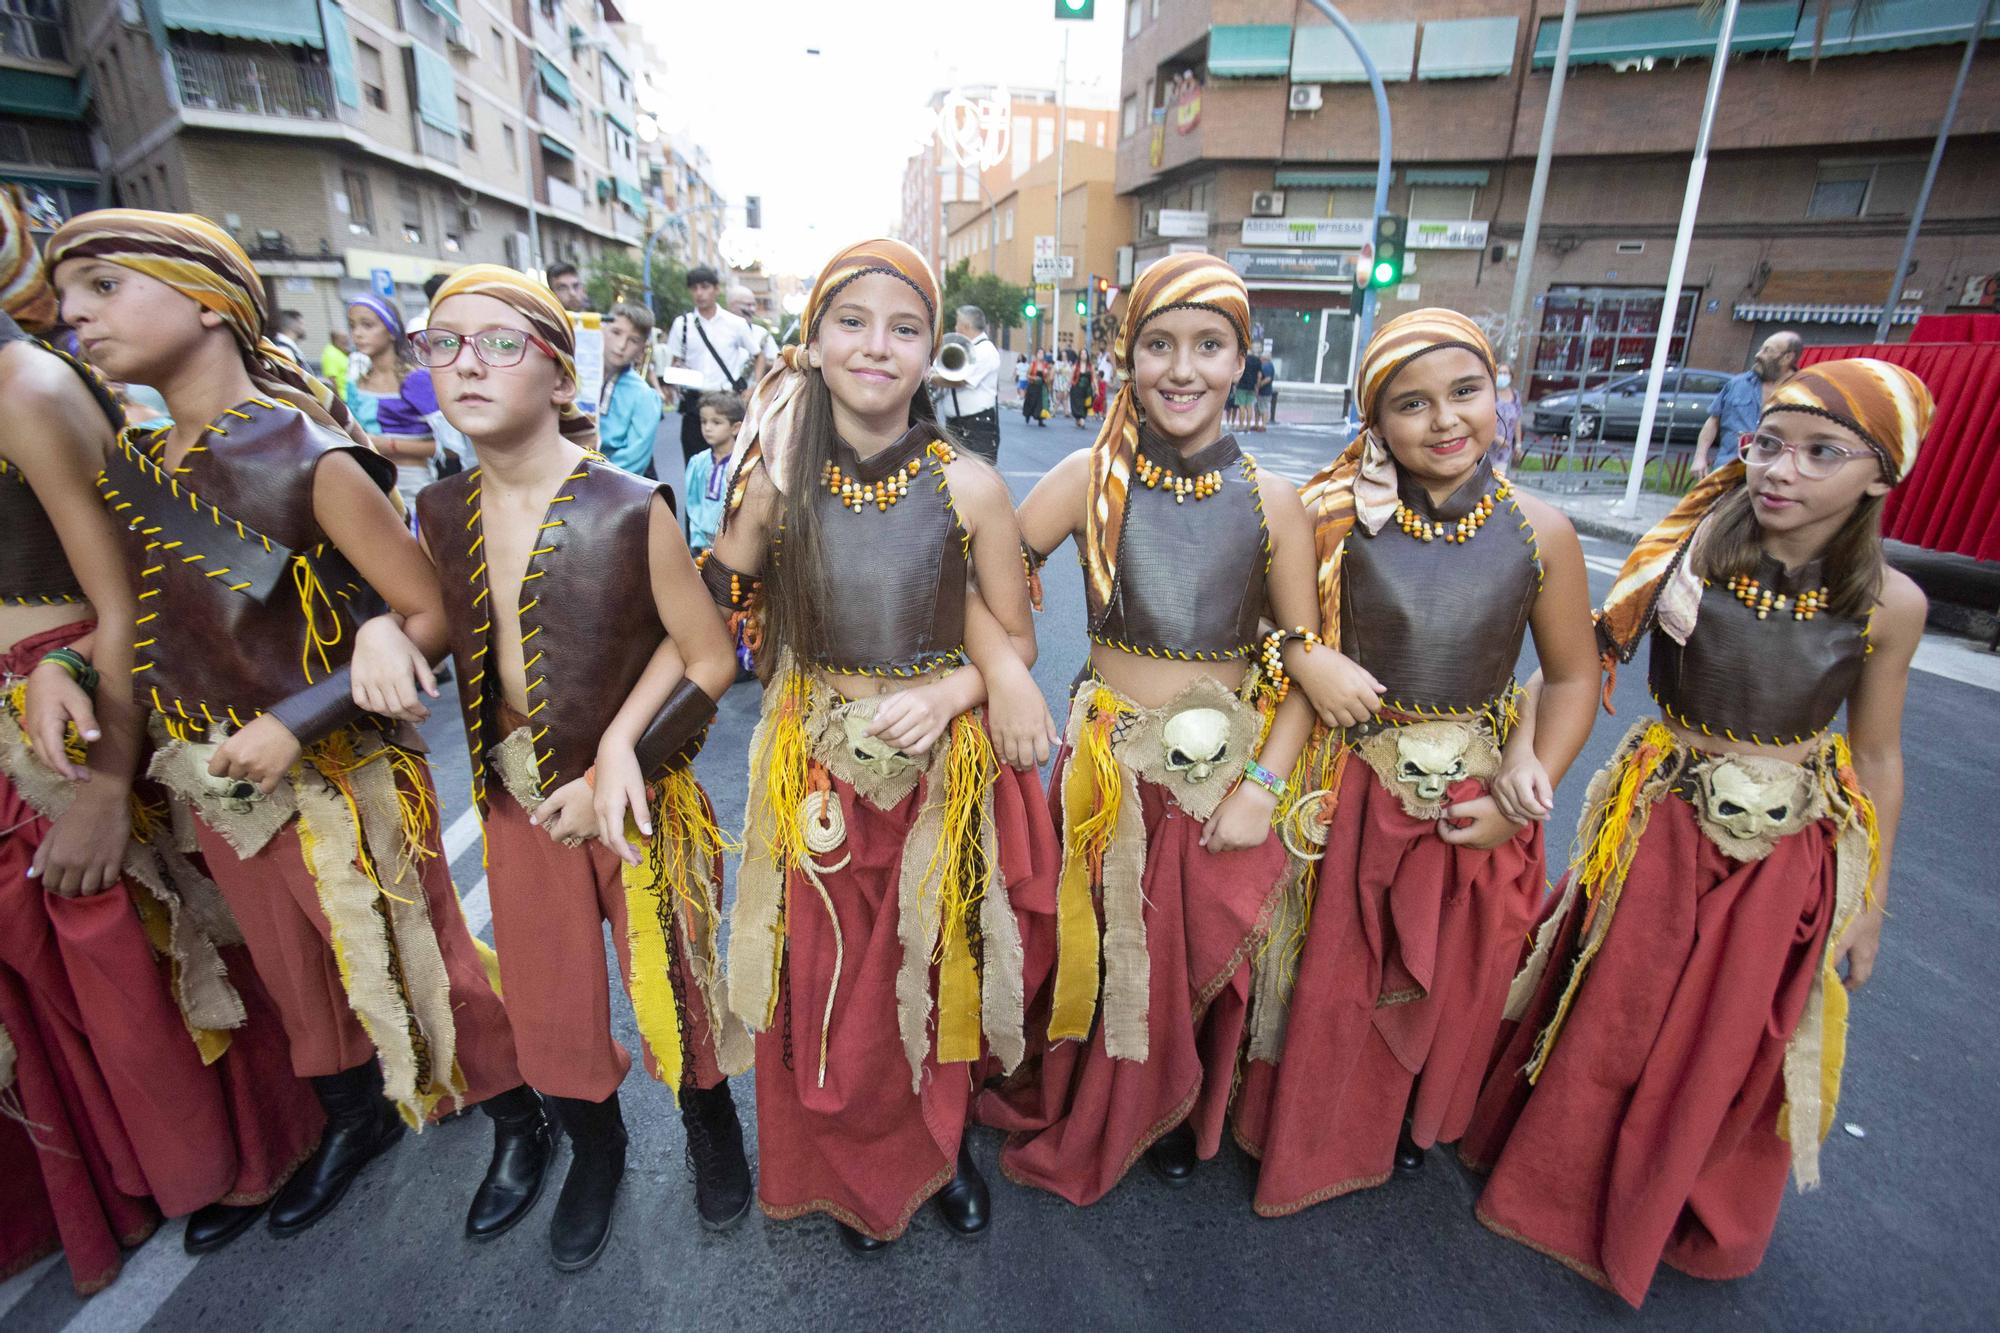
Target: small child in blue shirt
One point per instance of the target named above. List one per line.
(708, 472)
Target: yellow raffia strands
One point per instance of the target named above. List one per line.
(959, 870)
(784, 763)
(490, 961)
(1321, 766)
(1092, 790)
(1861, 808)
(323, 629)
(337, 760)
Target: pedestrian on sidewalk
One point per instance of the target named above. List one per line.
(720, 345)
(1681, 1034)
(1740, 403)
(629, 421)
(1034, 400)
(1079, 387)
(1507, 443)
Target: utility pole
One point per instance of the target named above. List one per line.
(1062, 143)
(1531, 232)
(1364, 325)
(1677, 268)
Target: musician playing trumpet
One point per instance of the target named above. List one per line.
(966, 379)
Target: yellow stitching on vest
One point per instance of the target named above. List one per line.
(150, 615)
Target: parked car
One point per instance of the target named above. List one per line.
(1612, 411)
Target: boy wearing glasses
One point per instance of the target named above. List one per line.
(589, 657)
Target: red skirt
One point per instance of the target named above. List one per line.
(863, 1148)
(1398, 1001)
(1652, 1132)
(1078, 1119)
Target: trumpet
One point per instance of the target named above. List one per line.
(953, 364)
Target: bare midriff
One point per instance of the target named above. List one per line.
(1795, 753)
(1152, 682)
(870, 687)
(24, 622)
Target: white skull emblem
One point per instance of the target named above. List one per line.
(235, 795)
(1430, 759)
(1196, 741)
(872, 752)
(1749, 804)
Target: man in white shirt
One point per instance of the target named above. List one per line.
(970, 404)
(744, 302)
(718, 344)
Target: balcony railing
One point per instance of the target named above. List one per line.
(557, 119)
(41, 144)
(31, 38)
(563, 195)
(437, 145)
(253, 85)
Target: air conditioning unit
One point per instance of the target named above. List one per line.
(518, 250)
(1149, 221)
(1268, 203)
(1305, 97)
(469, 218)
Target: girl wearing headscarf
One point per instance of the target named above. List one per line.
(260, 529)
(1682, 1028)
(874, 947)
(1411, 890)
(109, 1115)
(394, 400)
(1174, 757)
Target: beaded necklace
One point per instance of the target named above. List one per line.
(1426, 530)
(857, 495)
(1153, 476)
(1762, 600)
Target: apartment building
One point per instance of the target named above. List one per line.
(44, 135)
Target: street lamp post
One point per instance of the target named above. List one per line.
(1531, 232)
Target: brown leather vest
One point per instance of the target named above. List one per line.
(897, 574)
(33, 569)
(233, 569)
(1191, 571)
(1440, 623)
(588, 621)
(1773, 681)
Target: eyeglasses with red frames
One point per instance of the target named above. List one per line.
(1815, 459)
(499, 348)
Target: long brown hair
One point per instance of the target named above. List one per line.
(1733, 543)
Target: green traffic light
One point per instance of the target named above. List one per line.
(1029, 310)
(1385, 273)
(1076, 9)
(1306, 316)
(1082, 306)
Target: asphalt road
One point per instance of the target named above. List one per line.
(1904, 1234)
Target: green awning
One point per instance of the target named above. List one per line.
(286, 22)
(29, 92)
(1674, 33)
(603, 187)
(632, 197)
(1249, 50)
(340, 54)
(444, 9)
(1321, 53)
(616, 64)
(619, 121)
(437, 90)
(1450, 176)
(1468, 48)
(555, 81)
(1888, 25)
(558, 147)
(1331, 180)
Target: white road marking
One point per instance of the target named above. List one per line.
(478, 907)
(1603, 566)
(151, 1274)
(14, 1288)
(464, 831)
(1961, 660)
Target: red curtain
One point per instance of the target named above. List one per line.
(1952, 501)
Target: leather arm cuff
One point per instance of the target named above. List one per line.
(320, 709)
(731, 589)
(675, 735)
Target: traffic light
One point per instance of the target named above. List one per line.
(1083, 304)
(1103, 286)
(753, 211)
(1076, 9)
(1029, 310)
(1390, 233)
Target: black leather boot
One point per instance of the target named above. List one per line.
(581, 1227)
(211, 1228)
(1409, 1157)
(860, 1242)
(360, 1126)
(964, 1203)
(1173, 1156)
(715, 1149)
(523, 1141)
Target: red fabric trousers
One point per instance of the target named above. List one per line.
(276, 903)
(1081, 1119)
(864, 1148)
(550, 906)
(1400, 989)
(1652, 1132)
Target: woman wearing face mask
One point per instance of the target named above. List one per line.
(394, 400)
(873, 946)
(1681, 1034)
(1175, 754)
(1417, 876)
(1507, 409)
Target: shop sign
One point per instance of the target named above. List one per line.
(1447, 235)
(1185, 223)
(1329, 233)
(1293, 265)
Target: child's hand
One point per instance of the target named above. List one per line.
(568, 816)
(262, 753)
(55, 701)
(1476, 823)
(620, 787)
(1522, 790)
(388, 671)
(1243, 820)
(1018, 717)
(85, 849)
(912, 720)
(1340, 690)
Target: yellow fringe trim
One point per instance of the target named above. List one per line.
(1093, 787)
(1862, 810)
(337, 759)
(320, 614)
(785, 762)
(959, 869)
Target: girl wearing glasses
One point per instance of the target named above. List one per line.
(393, 400)
(1681, 1029)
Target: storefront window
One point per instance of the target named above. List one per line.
(1311, 334)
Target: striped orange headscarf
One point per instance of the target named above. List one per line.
(204, 263)
(1886, 405)
(546, 319)
(1174, 283)
(770, 419)
(1361, 483)
(24, 285)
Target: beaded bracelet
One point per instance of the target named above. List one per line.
(76, 666)
(1272, 655)
(1266, 779)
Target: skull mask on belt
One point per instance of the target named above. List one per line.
(1430, 759)
(872, 752)
(233, 794)
(1196, 741)
(1751, 804)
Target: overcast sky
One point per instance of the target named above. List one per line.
(823, 139)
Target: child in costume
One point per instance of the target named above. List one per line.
(1681, 1032)
(1173, 763)
(142, 1068)
(874, 946)
(259, 531)
(1412, 891)
(572, 605)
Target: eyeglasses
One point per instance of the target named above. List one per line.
(1815, 459)
(437, 348)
